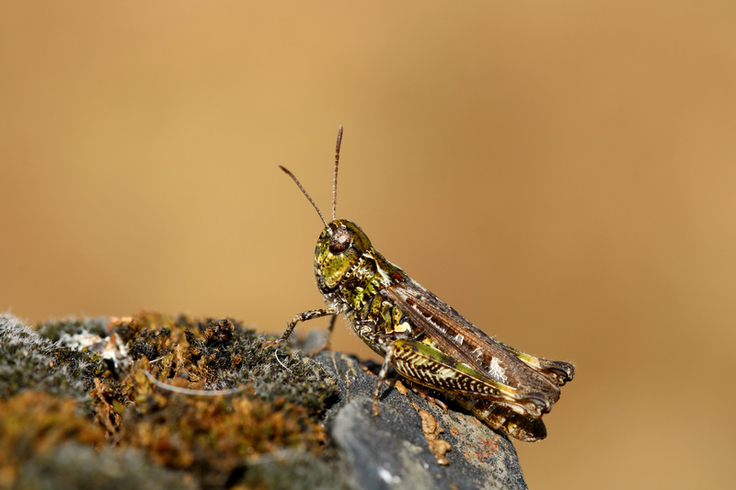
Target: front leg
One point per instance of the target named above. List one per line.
(301, 317)
(382, 377)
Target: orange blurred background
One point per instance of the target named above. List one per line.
(561, 173)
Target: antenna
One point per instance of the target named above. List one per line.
(334, 178)
(305, 193)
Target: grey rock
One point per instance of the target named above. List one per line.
(76, 467)
(361, 451)
(391, 451)
(29, 360)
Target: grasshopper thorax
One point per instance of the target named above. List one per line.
(339, 247)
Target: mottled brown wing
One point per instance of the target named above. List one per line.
(459, 338)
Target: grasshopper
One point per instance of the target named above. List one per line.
(423, 338)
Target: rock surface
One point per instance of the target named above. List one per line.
(89, 417)
(394, 450)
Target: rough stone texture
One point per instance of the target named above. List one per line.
(76, 467)
(53, 436)
(391, 451)
(30, 360)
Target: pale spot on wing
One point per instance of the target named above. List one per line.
(497, 371)
(430, 318)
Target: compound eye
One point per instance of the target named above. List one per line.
(340, 241)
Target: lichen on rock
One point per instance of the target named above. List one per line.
(122, 401)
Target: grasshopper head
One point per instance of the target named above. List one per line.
(339, 247)
(341, 244)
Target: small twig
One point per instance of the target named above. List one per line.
(187, 391)
(279, 361)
